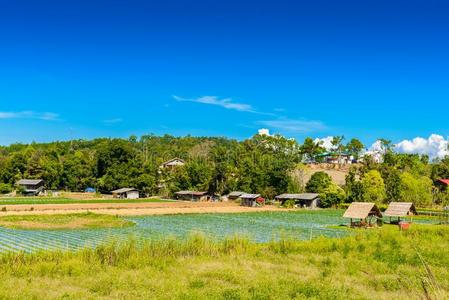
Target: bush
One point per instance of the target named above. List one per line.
(5, 188)
(332, 196)
(289, 203)
(318, 182)
(373, 187)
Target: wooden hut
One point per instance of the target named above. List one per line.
(234, 195)
(192, 196)
(309, 200)
(31, 187)
(399, 210)
(364, 214)
(126, 193)
(249, 199)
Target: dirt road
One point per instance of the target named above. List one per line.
(133, 209)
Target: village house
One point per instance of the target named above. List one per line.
(31, 187)
(309, 200)
(400, 210)
(172, 163)
(250, 199)
(362, 214)
(126, 193)
(192, 196)
(335, 158)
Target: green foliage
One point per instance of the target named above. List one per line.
(354, 147)
(290, 203)
(261, 164)
(5, 188)
(332, 196)
(309, 149)
(373, 187)
(353, 187)
(318, 182)
(416, 189)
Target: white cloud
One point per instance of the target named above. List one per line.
(264, 131)
(47, 116)
(213, 100)
(376, 147)
(326, 142)
(294, 126)
(436, 146)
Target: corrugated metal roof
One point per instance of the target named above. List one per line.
(250, 196)
(123, 190)
(235, 194)
(361, 210)
(400, 209)
(174, 161)
(29, 181)
(445, 181)
(193, 193)
(302, 196)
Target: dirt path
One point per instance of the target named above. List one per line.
(133, 209)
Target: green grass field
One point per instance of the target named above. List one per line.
(55, 200)
(65, 221)
(372, 264)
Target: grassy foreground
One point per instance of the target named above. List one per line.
(65, 221)
(373, 264)
(51, 200)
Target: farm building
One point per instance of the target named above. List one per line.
(126, 193)
(172, 163)
(400, 209)
(310, 200)
(250, 199)
(365, 214)
(192, 196)
(234, 195)
(31, 187)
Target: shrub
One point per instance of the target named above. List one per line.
(290, 203)
(332, 196)
(5, 188)
(318, 182)
(373, 187)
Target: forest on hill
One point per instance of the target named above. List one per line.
(269, 165)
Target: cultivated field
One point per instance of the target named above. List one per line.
(369, 264)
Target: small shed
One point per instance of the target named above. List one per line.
(365, 214)
(249, 199)
(234, 195)
(192, 196)
(309, 200)
(31, 187)
(400, 209)
(126, 193)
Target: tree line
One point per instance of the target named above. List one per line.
(263, 164)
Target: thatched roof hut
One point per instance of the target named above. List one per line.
(362, 211)
(400, 209)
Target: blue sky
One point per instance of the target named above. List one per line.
(84, 69)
